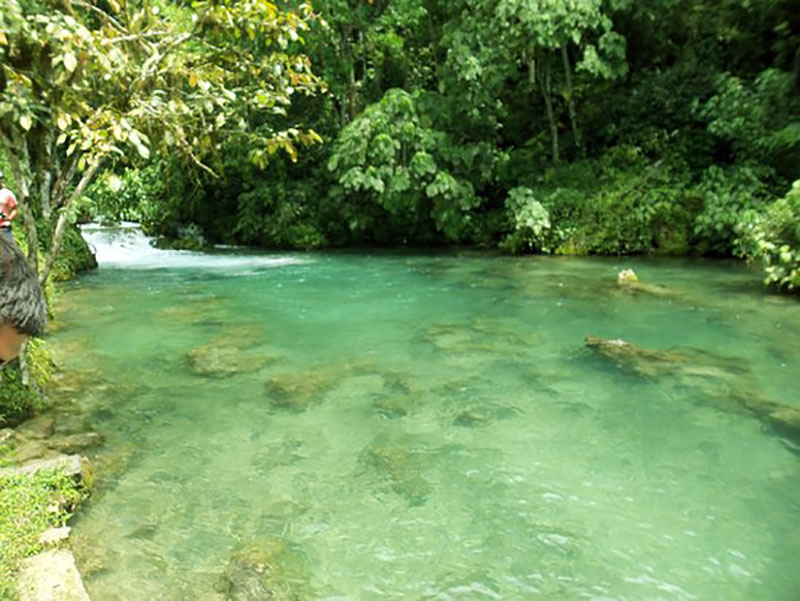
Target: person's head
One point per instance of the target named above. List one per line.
(23, 311)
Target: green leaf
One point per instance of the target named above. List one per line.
(70, 62)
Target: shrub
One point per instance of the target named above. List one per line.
(531, 227)
(390, 157)
(132, 196)
(726, 196)
(17, 401)
(774, 237)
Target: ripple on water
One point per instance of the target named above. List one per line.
(433, 429)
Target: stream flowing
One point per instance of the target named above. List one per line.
(414, 425)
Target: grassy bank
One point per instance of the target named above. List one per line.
(29, 505)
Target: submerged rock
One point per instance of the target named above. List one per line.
(782, 419)
(30, 449)
(297, 390)
(786, 419)
(471, 419)
(632, 358)
(223, 361)
(394, 406)
(401, 467)
(241, 336)
(266, 570)
(196, 311)
(38, 427)
(73, 443)
(723, 382)
(479, 341)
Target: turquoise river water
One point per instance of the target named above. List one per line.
(427, 426)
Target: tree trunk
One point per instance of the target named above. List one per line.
(797, 70)
(58, 233)
(21, 172)
(545, 86)
(576, 132)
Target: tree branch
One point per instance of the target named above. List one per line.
(64, 178)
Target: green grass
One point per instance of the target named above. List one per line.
(29, 505)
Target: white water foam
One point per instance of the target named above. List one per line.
(124, 246)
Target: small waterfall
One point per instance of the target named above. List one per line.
(124, 246)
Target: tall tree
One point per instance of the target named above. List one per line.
(88, 82)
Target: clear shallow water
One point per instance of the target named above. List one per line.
(459, 443)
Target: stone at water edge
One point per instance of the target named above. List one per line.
(53, 536)
(51, 576)
(71, 465)
(73, 443)
(30, 449)
(38, 427)
(6, 434)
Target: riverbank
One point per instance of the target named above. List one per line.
(37, 499)
(42, 478)
(45, 475)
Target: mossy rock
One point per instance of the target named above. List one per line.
(628, 280)
(642, 362)
(786, 420)
(74, 443)
(223, 361)
(265, 570)
(75, 256)
(723, 382)
(297, 391)
(401, 467)
(395, 406)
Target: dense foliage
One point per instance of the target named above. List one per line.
(85, 85)
(774, 237)
(597, 126)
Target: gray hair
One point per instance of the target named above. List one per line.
(22, 304)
